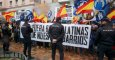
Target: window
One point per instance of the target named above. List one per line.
(31, 0)
(53, 1)
(23, 1)
(0, 3)
(10, 3)
(44, 1)
(16, 1)
(38, 1)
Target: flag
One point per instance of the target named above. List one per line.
(106, 9)
(29, 15)
(36, 17)
(8, 15)
(44, 20)
(87, 11)
(99, 4)
(75, 19)
(62, 12)
(22, 17)
(41, 16)
(111, 15)
(78, 2)
(86, 7)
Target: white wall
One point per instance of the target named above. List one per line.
(48, 1)
(0, 0)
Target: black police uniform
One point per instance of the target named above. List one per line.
(6, 34)
(105, 39)
(56, 31)
(26, 32)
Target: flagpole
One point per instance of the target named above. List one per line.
(53, 19)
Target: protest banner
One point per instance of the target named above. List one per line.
(75, 35)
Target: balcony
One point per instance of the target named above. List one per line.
(3, 8)
(16, 5)
(22, 4)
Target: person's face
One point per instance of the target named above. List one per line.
(94, 27)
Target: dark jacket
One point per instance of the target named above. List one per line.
(6, 31)
(92, 37)
(26, 31)
(6, 34)
(105, 35)
(56, 31)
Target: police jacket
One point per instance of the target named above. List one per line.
(26, 30)
(6, 34)
(105, 35)
(56, 31)
(6, 31)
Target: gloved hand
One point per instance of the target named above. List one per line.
(54, 40)
(95, 47)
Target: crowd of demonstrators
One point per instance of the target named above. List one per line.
(100, 38)
(13, 28)
(6, 32)
(16, 34)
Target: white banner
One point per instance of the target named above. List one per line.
(75, 35)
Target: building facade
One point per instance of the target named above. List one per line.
(20, 6)
(15, 3)
(48, 7)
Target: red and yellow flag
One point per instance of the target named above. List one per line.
(8, 15)
(111, 15)
(36, 17)
(62, 12)
(75, 19)
(44, 20)
(41, 16)
(86, 7)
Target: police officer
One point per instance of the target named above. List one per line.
(105, 39)
(113, 48)
(26, 32)
(56, 33)
(6, 35)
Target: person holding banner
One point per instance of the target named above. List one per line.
(26, 33)
(105, 40)
(56, 34)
